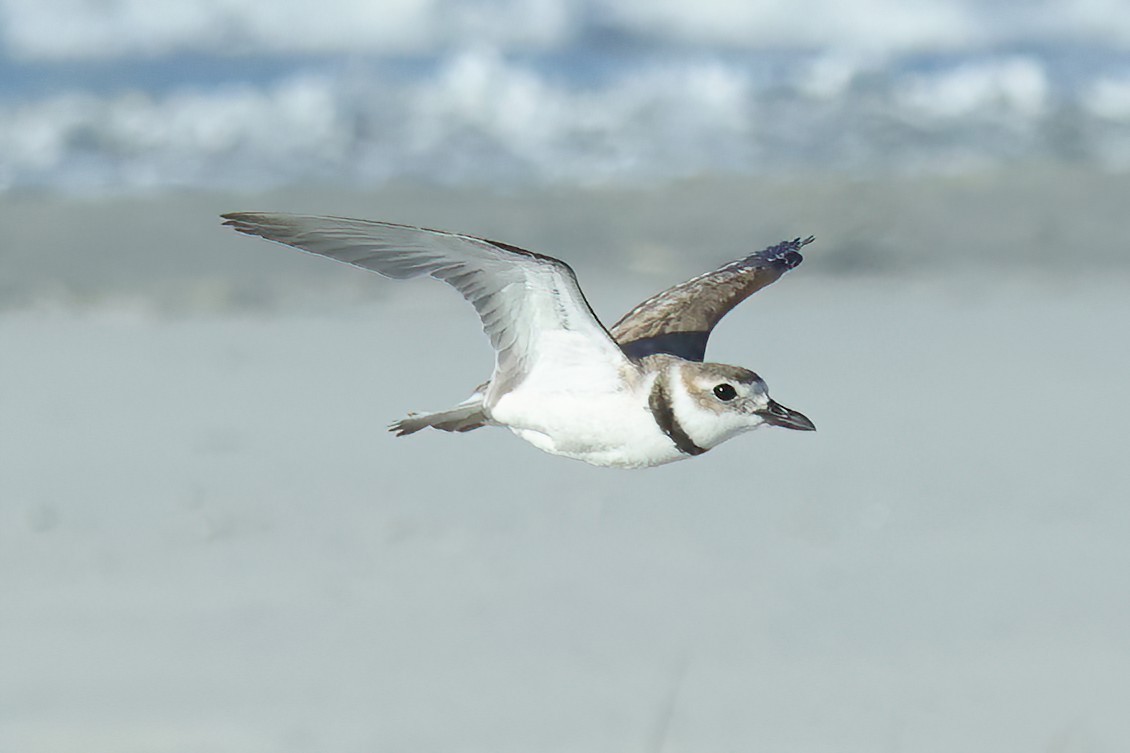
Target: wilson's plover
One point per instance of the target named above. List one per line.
(633, 395)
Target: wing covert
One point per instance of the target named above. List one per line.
(678, 321)
(527, 302)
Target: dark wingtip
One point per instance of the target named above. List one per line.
(404, 426)
(270, 225)
(236, 220)
(787, 253)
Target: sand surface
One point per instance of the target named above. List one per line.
(208, 542)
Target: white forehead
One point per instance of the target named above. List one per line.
(747, 384)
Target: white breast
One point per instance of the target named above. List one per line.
(600, 421)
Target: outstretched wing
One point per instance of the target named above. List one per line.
(678, 321)
(531, 306)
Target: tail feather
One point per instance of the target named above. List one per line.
(463, 417)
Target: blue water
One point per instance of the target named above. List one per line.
(124, 97)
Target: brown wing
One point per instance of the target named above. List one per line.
(678, 321)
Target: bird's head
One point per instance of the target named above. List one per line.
(714, 401)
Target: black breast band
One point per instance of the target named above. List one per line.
(660, 404)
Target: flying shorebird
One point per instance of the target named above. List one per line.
(634, 395)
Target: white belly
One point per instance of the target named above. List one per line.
(605, 428)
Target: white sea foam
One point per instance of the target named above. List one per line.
(1017, 86)
(478, 117)
(545, 91)
(862, 24)
(93, 28)
(1109, 98)
(186, 136)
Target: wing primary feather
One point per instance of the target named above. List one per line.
(520, 296)
(678, 321)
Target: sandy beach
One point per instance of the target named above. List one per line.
(209, 542)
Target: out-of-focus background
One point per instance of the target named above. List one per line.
(208, 542)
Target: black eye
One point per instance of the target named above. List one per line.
(725, 392)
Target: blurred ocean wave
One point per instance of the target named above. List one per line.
(84, 29)
(128, 97)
